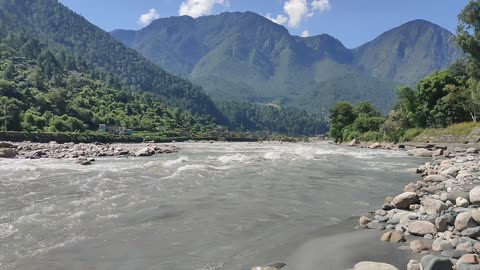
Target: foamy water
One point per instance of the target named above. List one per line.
(210, 206)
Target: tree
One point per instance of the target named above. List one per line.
(468, 33)
(341, 116)
(366, 109)
(471, 99)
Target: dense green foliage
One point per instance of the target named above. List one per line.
(59, 28)
(43, 91)
(360, 122)
(246, 57)
(285, 120)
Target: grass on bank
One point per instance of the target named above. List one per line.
(455, 133)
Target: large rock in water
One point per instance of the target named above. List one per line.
(475, 195)
(434, 207)
(404, 200)
(7, 145)
(8, 152)
(145, 152)
(374, 266)
(422, 228)
(420, 152)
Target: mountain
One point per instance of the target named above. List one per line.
(58, 27)
(244, 56)
(408, 53)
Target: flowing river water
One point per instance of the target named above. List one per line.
(210, 206)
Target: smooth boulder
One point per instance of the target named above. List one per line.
(475, 195)
(430, 262)
(463, 221)
(404, 200)
(374, 266)
(421, 228)
(434, 207)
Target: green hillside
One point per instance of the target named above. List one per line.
(58, 27)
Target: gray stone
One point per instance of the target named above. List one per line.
(393, 221)
(434, 207)
(373, 266)
(471, 232)
(376, 225)
(431, 262)
(435, 178)
(475, 195)
(464, 221)
(414, 265)
(8, 152)
(363, 221)
(404, 200)
(419, 246)
(440, 245)
(421, 228)
(462, 202)
(441, 223)
(454, 194)
(466, 266)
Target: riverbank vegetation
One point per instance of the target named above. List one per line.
(444, 98)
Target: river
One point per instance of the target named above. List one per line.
(210, 206)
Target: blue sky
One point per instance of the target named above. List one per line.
(353, 22)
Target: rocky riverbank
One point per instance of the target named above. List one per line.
(438, 216)
(85, 154)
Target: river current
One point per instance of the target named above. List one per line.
(210, 206)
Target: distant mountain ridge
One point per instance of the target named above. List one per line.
(244, 56)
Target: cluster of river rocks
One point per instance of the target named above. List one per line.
(438, 216)
(84, 153)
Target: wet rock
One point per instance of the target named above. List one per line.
(419, 246)
(421, 228)
(431, 262)
(275, 266)
(7, 145)
(375, 146)
(397, 237)
(145, 152)
(373, 266)
(464, 221)
(363, 221)
(376, 225)
(8, 152)
(386, 237)
(354, 142)
(420, 152)
(404, 200)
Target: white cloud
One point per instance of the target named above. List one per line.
(296, 11)
(305, 33)
(280, 19)
(147, 18)
(197, 8)
(321, 5)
